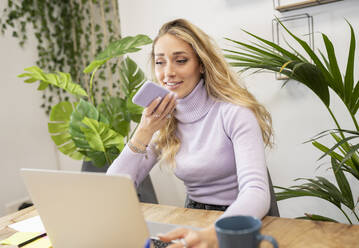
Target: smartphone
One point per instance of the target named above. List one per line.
(157, 243)
(149, 92)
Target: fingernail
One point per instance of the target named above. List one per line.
(159, 98)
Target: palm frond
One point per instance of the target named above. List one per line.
(355, 99)
(337, 82)
(349, 74)
(343, 184)
(316, 217)
(310, 52)
(275, 46)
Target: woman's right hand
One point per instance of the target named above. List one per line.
(154, 118)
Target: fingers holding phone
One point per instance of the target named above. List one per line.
(164, 108)
(159, 103)
(155, 115)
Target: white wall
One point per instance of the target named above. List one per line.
(297, 114)
(24, 140)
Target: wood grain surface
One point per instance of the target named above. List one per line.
(290, 233)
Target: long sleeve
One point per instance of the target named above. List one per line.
(242, 128)
(136, 165)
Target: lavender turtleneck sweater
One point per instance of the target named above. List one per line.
(221, 159)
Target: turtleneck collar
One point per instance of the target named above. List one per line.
(195, 105)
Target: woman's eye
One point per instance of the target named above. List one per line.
(159, 62)
(182, 61)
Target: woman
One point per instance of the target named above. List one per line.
(211, 130)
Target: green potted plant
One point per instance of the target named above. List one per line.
(320, 75)
(90, 130)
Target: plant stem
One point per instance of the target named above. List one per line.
(107, 158)
(346, 216)
(355, 214)
(91, 93)
(355, 121)
(336, 122)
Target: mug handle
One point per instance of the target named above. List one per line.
(269, 239)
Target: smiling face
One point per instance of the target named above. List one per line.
(177, 66)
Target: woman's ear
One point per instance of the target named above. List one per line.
(201, 68)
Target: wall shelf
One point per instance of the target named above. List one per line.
(302, 26)
(302, 4)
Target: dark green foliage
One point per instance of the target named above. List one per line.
(89, 129)
(65, 40)
(320, 75)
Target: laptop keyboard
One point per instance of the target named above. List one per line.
(160, 244)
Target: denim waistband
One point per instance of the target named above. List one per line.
(197, 205)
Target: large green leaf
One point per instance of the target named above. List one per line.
(121, 111)
(132, 108)
(100, 136)
(83, 109)
(59, 129)
(313, 78)
(99, 159)
(59, 79)
(117, 48)
(86, 110)
(113, 108)
(132, 77)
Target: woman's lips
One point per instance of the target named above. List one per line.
(173, 85)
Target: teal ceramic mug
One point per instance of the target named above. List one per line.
(241, 231)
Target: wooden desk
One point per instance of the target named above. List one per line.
(290, 233)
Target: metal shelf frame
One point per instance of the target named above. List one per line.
(277, 38)
(302, 4)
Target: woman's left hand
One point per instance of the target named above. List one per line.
(204, 238)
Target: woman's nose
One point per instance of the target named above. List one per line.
(169, 70)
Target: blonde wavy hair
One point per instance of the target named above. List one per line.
(220, 80)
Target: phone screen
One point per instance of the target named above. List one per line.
(157, 243)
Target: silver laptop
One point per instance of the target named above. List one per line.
(89, 209)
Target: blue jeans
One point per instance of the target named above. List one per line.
(197, 205)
